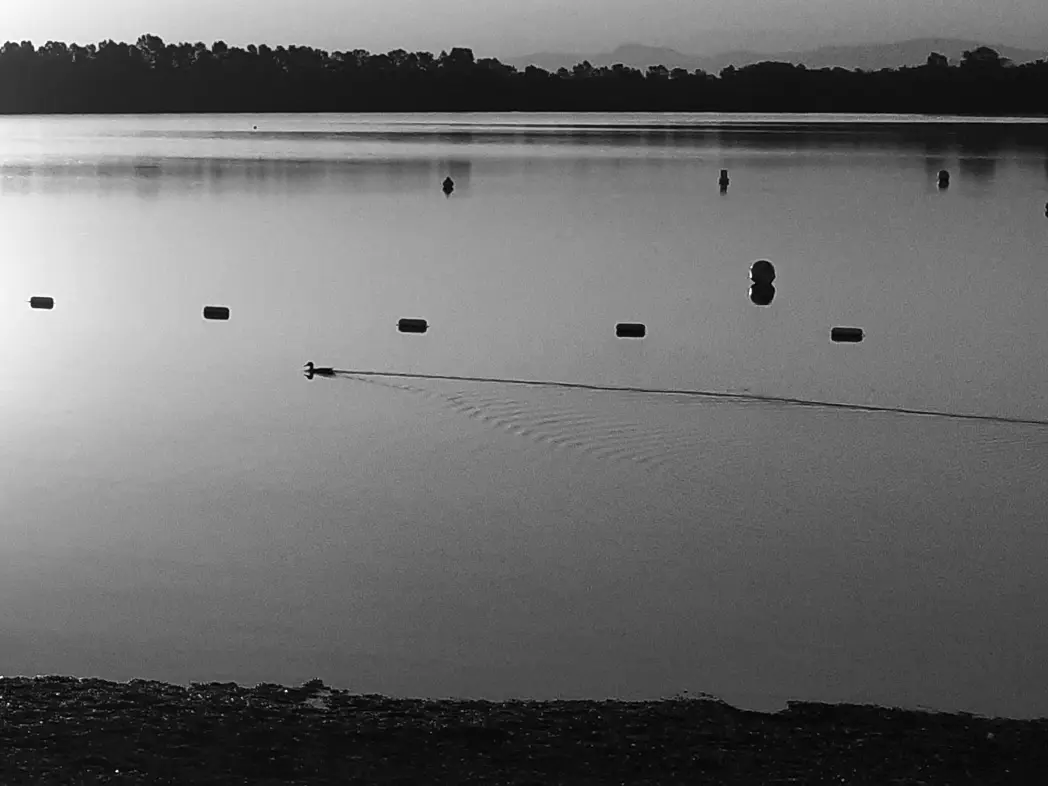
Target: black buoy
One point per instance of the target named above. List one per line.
(448, 186)
(762, 272)
(723, 180)
(944, 178)
(630, 330)
(42, 302)
(412, 326)
(216, 312)
(851, 335)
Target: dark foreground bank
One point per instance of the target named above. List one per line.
(67, 730)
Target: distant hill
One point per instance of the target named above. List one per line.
(870, 57)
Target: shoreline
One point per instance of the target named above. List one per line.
(58, 729)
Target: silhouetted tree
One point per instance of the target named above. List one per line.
(154, 76)
(458, 59)
(983, 57)
(583, 70)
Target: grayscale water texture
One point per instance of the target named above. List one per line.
(178, 502)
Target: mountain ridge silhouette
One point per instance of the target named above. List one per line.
(911, 52)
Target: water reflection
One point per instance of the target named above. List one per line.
(934, 163)
(147, 177)
(977, 158)
(460, 171)
(980, 169)
(936, 138)
(395, 161)
(762, 294)
(764, 134)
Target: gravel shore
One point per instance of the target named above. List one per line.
(64, 730)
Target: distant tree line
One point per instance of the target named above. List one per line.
(153, 76)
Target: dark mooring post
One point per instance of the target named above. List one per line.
(723, 182)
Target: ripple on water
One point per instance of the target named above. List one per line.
(667, 434)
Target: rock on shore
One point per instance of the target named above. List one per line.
(69, 730)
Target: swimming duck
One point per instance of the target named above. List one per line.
(448, 186)
(312, 370)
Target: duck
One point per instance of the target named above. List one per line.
(312, 370)
(448, 186)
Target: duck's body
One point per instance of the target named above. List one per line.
(312, 370)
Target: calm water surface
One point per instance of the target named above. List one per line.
(177, 502)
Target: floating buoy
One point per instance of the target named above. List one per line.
(412, 326)
(723, 180)
(630, 330)
(944, 178)
(762, 272)
(216, 312)
(42, 302)
(448, 185)
(846, 334)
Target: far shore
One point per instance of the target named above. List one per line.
(71, 730)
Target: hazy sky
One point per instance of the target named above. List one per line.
(505, 27)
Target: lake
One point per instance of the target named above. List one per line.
(179, 503)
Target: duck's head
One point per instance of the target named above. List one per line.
(309, 366)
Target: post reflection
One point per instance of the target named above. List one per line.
(981, 170)
(978, 158)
